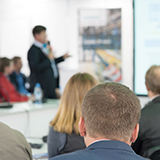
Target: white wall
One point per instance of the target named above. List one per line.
(17, 18)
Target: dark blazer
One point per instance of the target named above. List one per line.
(102, 150)
(149, 135)
(42, 72)
(60, 143)
(13, 80)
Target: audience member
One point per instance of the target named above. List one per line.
(109, 124)
(148, 140)
(64, 134)
(13, 145)
(7, 90)
(17, 78)
(42, 63)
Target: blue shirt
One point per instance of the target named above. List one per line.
(20, 82)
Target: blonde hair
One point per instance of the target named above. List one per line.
(69, 112)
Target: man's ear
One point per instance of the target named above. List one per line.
(82, 129)
(135, 133)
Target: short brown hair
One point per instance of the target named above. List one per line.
(69, 113)
(152, 79)
(38, 29)
(111, 110)
(15, 59)
(4, 62)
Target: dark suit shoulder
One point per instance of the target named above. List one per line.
(98, 154)
(102, 151)
(151, 107)
(149, 114)
(155, 101)
(146, 113)
(33, 48)
(77, 155)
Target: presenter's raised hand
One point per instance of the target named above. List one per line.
(66, 56)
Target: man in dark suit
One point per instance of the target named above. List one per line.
(109, 124)
(148, 140)
(42, 64)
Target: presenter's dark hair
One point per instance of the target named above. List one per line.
(38, 29)
(4, 62)
(111, 110)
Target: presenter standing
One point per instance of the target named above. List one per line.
(42, 64)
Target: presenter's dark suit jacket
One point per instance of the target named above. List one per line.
(102, 150)
(42, 72)
(149, 135)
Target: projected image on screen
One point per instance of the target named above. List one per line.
(147, 40)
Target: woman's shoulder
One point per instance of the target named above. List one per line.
(58, 138)
(55, 133)
(4, 81)
(2, 76)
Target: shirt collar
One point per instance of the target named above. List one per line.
(17, 74)
(100, 140)
(111, 144)
(151, 99)
(38, 44)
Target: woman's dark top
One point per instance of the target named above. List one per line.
(60, 143)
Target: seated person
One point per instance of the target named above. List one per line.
(64, 134)
(13, 145)
(109, 124)
(149, 135)
(17, 78)
(7, 90)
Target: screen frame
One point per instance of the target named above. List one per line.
(134, 55)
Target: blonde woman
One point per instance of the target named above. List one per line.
(64, 134)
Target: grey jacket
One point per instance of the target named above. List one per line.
(60, 143)
(13, 145)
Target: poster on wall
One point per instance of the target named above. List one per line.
(100, 43)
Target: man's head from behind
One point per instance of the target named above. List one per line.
(110, 111)
(39, 33)
(152, 80)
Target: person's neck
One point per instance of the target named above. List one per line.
(151, 94)
(38, 41)
(17, 71)
(89, 140)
